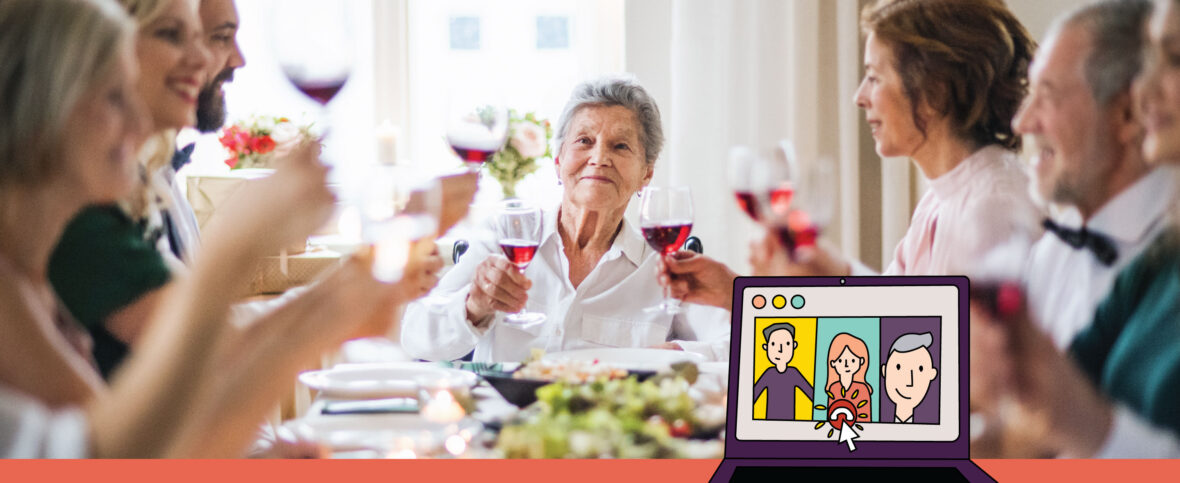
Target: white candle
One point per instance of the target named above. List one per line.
(387, 135)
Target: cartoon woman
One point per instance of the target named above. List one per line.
(848, 358)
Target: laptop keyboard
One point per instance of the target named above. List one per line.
(765, 474)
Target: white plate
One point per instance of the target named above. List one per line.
(635, 359)
(394, 379)
(383, 433)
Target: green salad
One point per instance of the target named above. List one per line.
(621, 418)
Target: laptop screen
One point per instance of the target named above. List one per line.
(855, 367)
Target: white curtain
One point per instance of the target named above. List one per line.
(738, 72)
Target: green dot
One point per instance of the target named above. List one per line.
(779, 301)
(797, 301)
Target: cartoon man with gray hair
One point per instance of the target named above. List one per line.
(908, 372)
(780, 381)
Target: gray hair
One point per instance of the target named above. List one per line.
(617, 91)
(51, 52)
(779, 326)
(1116, 46)
(911, 342)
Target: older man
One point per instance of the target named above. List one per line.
(1080, 114)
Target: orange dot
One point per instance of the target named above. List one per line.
(759, 301)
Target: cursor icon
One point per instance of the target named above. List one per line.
(847, 434)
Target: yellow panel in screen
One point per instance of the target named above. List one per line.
(804, 361)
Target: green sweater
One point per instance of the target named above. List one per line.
(101, 264)
(1132, 348)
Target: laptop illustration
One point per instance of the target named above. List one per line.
(846, 377)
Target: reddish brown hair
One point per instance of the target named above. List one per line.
(966, 59)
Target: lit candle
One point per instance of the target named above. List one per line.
(443, 408)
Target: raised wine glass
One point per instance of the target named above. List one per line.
(399, 212)
(476, 132)
(665, 217)
(800, 217)
(313, 45)
(518, 226)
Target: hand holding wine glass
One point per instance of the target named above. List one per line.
(665, 217)
(518, 225)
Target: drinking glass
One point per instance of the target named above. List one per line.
(803, 209)
(399, 211)
(313, 45)
(477, 132)
(518, 226)
(665, 216)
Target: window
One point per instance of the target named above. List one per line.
(526, 55)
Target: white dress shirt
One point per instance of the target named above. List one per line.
(181, 212)
(30, 430)
(1065, 284)
(608, 309)
(944, 236)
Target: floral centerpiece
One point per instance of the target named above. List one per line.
(251, 143)
(528, 141)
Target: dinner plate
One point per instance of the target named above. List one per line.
(383, 433)
(632, 359)
(394, 379)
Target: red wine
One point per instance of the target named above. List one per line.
(470, 155)
(519, 252)
(322, 91)
(798, 232)
(748, 203)
(667, 239)
(1003, 299)
(780, 198)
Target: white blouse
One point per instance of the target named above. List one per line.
(606, 310)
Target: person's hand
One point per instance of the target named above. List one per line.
(697, 279)
(1045, 405)
(497, 286)
(283, 208)
(457, 192)
(769, 258)
(669, 346)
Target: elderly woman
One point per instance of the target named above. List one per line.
(593, 275)
(1115, 396)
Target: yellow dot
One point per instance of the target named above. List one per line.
(759, 301)
(779, 301)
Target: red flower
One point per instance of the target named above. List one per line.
(231, 162)
(231, 138)
(262, 144)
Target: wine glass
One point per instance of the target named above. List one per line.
(475, 133)
(743, 179)
(803, 211)
(313, 45)
(665, 217)
(399, 210)
(518, 226)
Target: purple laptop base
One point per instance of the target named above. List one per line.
(883, 454)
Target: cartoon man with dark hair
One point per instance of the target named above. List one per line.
(908, 372)
(780, 381)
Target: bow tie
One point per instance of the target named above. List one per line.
(182, 157)
(1099, 244)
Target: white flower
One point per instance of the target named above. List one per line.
(529, 140)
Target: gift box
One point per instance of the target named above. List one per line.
(302, 269)
(211, 194)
